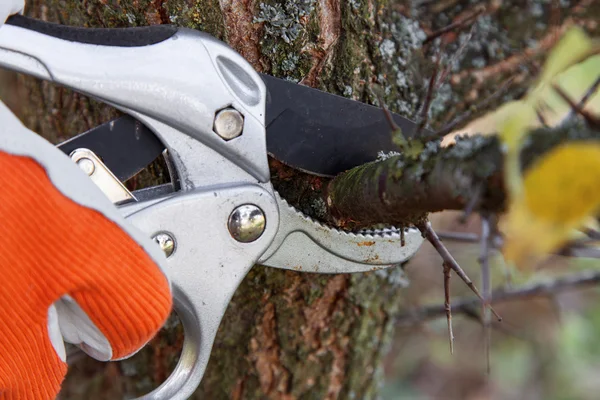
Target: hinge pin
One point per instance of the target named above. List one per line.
(246, 223)
(166, 243)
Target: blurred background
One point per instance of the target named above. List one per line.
(546, 347)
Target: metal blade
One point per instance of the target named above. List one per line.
(125, 146)
(322, 133)
(307, 129)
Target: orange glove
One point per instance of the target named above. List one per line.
(69, 260)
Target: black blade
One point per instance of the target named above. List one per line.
(125, 145)
(307, 129)
(322, 133)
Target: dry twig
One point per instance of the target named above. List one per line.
(467, 237)
(446, 73)
(486, 286)
(433, 238)
(447, 305)
(586, 97)
(424, 117)
(592, 234)
(466, 305)
(457, 25)
(591, 119)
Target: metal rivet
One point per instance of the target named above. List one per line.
(229, 123)
(166, 243)
(246, 223)
(86, 165)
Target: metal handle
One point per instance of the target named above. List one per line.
(119, 37)
(188, 373)
(176, 76)
(205, 269)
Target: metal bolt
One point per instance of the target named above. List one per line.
(229, 123)
(166, 243)
(246, 223)
(86, 165)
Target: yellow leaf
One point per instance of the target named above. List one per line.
(511, 130)
(560, 193)
(571, 49)
(575, 82)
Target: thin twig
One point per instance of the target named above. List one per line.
(455, 25)
(496, 243)
(589, 93)
(486, 287)
(473, 313)
(546, 288)
(467, 237)
(592, 233)
(446, 73)
(388, 114)
(541, 118)
(589, 117)
(433, 238)
(586, 97)
(447, 305)
(428, 98)
(509, 64)
(555, 16)
(580, 252)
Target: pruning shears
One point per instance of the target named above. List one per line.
(192, 99)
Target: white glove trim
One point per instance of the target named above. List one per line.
(78, 329)
(10, 7)
(55, 335)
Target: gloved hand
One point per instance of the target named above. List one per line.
(71, 266)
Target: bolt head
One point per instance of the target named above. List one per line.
(246, 223)
(166, 243)
(229, 123)
(86, 165)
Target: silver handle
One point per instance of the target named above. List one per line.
(188, 373)
(181, 78)
(205, 269)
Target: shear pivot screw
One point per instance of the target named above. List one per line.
(229, 123)
(86, 165)
(246, 223)
(166, 243)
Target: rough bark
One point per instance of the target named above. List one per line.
(289, 335)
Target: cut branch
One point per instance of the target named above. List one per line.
(402, 190)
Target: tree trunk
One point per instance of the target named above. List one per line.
(290, 335)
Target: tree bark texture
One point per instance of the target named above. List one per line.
(290, 335)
